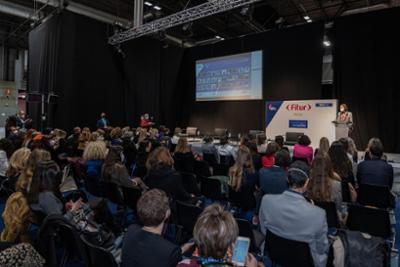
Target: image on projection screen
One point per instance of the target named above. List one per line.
(235, 77)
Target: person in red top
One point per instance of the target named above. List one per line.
(145, 121)
(303, 150)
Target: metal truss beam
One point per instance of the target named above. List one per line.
(209, 8)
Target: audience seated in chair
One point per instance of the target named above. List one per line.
(144, 246)
(303, 150)
(243, 179)
(375, 171)
(209, 148)
(341, 163)
(273, 179)
(215, 234)
(162, 175)
(268, 160)
(291, 216)
(183, 156)
(325, 185)
(225, 149)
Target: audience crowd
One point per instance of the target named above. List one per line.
(147, 199)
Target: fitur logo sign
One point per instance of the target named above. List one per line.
(297, 107)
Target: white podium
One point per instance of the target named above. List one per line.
(341, 130)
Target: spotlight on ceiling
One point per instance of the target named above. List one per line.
(306, 17)
(147, 3)
(157, 8)
(327, 43)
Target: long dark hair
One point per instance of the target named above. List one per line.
(340, 161)
(46, 177)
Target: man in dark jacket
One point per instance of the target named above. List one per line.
(375, 171)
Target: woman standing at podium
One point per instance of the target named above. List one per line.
(345, 116)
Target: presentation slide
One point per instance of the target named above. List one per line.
(235, 77)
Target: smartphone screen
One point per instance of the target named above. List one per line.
(241, 250)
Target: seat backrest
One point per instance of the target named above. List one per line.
(376, 196)
(201, 168)
(210, 159)
(211, 188)
(221, 169)
(131, 197)
(246, 230)
(113, 193)
(373, 221)
(331, 213)
(190, 183)
(93, 186)
(287, 253)
(58, 233)
(227, 160)
(187, 215)
(98, 256)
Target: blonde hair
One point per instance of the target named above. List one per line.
(61, 134)
(18, 161)
(24, 180)
(244, 161)
(15, 216)
(215, 232)
(84, 138)
(160, 156)
(182, 146)
(95, 151)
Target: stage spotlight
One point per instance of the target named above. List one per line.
(309, 21)
(327, 43)
(306, 17)
(148, 3)
(157, 8)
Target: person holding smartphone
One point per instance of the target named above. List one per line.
(217, 243)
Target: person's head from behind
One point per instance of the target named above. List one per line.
(375, 148)
(304, 140)
(261, 138)
(272, 148)
(144, 146)
(215, 232)
(153, 208)
(18, 161)
(46, 178)
(77, 130)
(6, 146)
(298, 176)
(323, 145)
(113, 155)
(95, 151)
(243, 162)
(340, 161)
(282, 158)
(208, 139)
(279, 140)
(158, 158)
(252, 147)
(223, 140)
(182, 146)
(16, 217)
(116, 133)
(345, 144)
(36, 156)
(321, 172)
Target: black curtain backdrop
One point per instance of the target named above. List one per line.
(44, 42)
(69, 55)
(292, 70)
(150, 75)
(367, 76)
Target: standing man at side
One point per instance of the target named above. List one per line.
(103, 122)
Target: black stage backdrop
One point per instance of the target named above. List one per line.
(292, 70)
(69, 55)
(367, 75)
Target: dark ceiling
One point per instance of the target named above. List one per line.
(264, 15)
